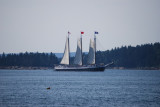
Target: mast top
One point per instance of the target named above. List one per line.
(68, 34)
(95, 34)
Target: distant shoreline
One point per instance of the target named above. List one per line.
(47, 68)
(139, 68)
(26, 68)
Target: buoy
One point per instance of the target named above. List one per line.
(48, 88)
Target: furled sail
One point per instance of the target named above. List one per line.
(78, 56)
(65, 59)
(91, 54)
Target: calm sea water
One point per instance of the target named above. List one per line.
(112, 88)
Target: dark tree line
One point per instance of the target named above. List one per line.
(29, 59)
(147, 55)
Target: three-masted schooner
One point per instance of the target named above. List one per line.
(78, 61)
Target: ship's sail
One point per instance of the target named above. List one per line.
(91, 54)
(78, 56)
(65, 59)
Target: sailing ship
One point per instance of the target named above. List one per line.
(78, 61)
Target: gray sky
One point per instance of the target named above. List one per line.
(42, 25)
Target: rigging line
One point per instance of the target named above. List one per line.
(99, 43)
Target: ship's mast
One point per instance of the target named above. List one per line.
(68, 47)
(81, 49)
(95, 46)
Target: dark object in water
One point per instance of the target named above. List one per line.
(48, 88)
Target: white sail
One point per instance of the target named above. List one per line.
(78, 56)
(91, 54)
(65, 59)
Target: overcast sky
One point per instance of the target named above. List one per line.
(42, 25)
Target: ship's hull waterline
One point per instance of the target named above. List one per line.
(101, 69)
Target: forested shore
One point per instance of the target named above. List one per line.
(146, 56)
(28, 60)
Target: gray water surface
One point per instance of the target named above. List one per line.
(112, 88)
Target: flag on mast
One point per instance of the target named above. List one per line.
(96, 33)
(82, 32)
(69, 33)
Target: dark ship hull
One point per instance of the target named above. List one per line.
(80, 68)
